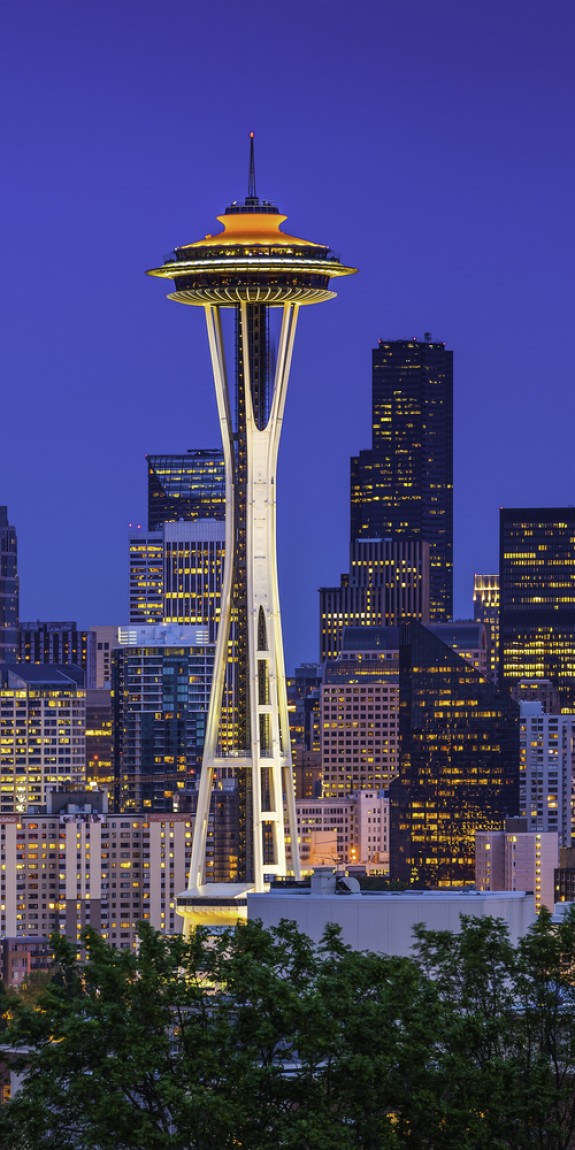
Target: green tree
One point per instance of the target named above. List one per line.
(508, 1033)
(261, 1040)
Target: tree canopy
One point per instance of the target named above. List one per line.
(261, 1040)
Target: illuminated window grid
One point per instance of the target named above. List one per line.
(359, 736)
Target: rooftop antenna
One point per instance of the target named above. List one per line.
(252, 194)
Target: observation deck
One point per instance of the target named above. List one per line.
(251, 261)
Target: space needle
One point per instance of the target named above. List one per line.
(251, 266)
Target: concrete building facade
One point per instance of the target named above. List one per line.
(384, 921)
(518, 860)
(350, 831)
(79, 866)
(546, 771)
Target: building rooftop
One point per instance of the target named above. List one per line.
(18, 676)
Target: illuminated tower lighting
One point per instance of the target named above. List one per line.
(250, 266)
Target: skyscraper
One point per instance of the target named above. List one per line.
(187, 486)
(194, 573)
(486, 610)
(402, 488)
(176, 574)
(388, 582)
(547, 771)
(458, 762)
(9, 589)
(537, 613)
(162, 677)
(146, 575)
(359, 713)
(251, 266)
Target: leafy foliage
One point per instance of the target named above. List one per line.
(261, 1040)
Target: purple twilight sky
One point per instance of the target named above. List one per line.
(430, 143)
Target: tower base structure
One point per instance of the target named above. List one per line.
(216, 905)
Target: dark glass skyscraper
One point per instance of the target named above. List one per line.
(58, 643)
(458, 763)
(9, 589)
(161, 693)
(402, 488)
(186, 486)
(537, 590)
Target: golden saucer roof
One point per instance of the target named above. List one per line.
(251, 228)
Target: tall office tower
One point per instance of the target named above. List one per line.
(146, 576)
(176, 574)
(42, 732)
(547, 775)
(388, 581)
(193, 573)
(359, 713)
(303, 695)
(162, 678)
(9, 589)
(251, 267)
(458, 763)
(188, 486)
(402, 488)
(486, 610)
(100, 738)
(60, 644)
(537, 573)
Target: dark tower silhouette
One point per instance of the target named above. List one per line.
(458, 762)
(402, 488)
(9, 589)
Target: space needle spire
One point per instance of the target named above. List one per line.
(252, 193)
(249, 267)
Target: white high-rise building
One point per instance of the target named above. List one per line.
(546, 771)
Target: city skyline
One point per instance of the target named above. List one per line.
(451, 194)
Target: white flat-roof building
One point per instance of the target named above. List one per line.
(383, 921)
